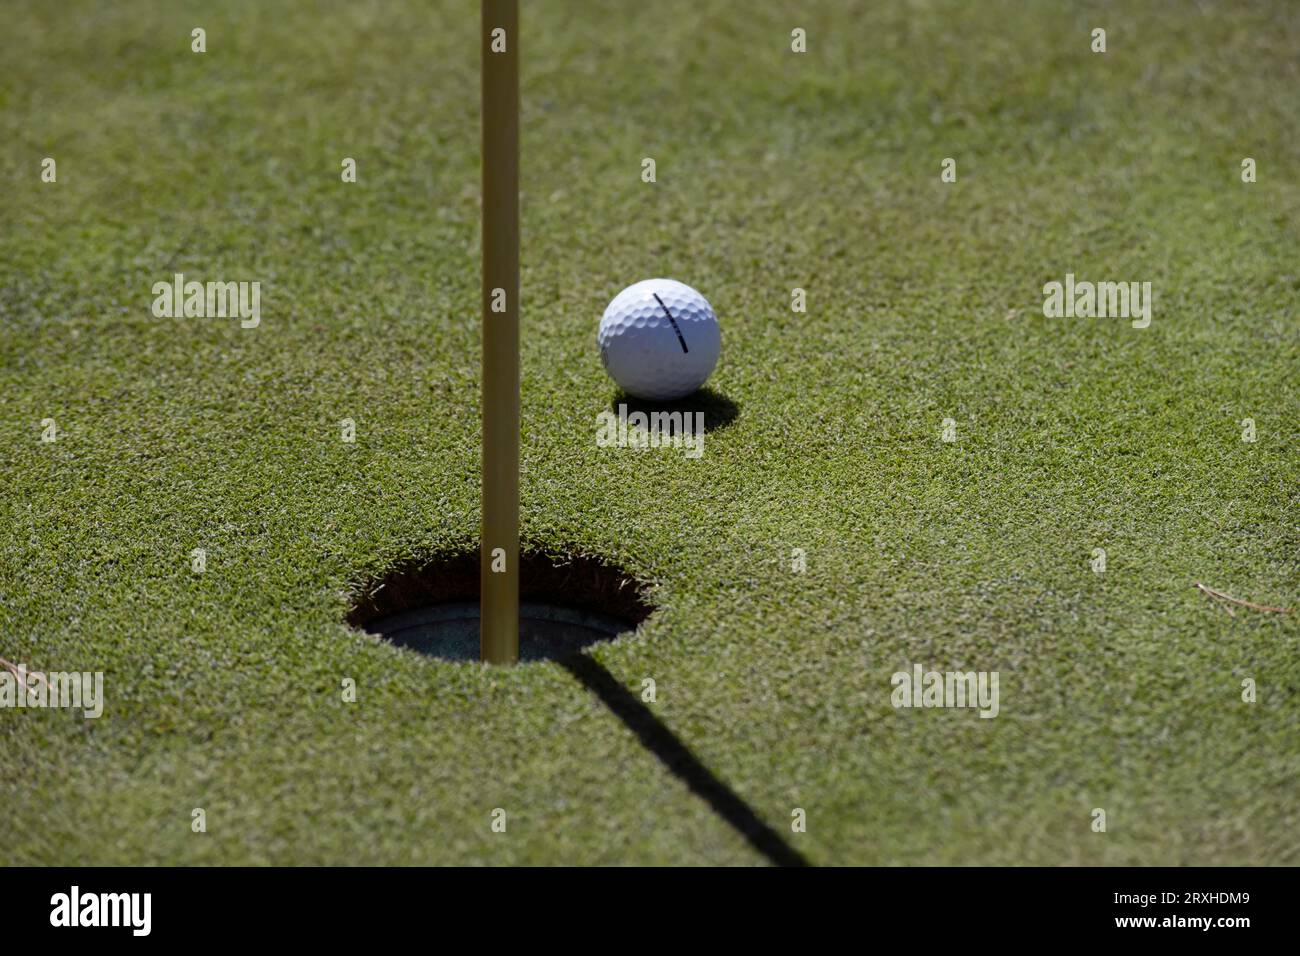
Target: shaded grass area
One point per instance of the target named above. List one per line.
(1119, 690)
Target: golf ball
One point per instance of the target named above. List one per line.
(659, 339)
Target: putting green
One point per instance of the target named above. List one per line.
(1119, 690)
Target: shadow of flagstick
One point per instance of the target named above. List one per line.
(675, 755)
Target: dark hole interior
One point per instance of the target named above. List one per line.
(567, 603)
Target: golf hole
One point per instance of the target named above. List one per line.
(566, 603)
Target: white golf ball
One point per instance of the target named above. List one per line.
(659, 339)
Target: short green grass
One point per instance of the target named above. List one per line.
(1119, 690)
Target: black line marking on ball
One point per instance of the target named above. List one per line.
(672, 320)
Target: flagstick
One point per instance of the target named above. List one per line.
(499, 641)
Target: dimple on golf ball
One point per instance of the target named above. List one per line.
(659, 339)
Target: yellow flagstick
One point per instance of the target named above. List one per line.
(499, 541)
